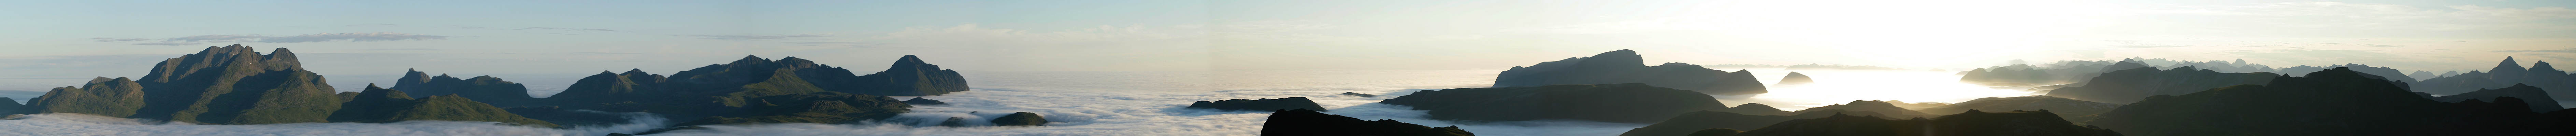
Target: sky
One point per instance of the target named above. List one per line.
(82, 39)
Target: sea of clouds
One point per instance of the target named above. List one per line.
(1075, 103)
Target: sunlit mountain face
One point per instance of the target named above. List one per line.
(1333, 67)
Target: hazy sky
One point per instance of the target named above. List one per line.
(79, 39)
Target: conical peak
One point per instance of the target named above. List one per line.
(372, 86)
(632, 71)
(909, 59)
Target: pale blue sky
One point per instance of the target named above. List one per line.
(79, 39)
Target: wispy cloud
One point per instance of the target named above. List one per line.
(2380, 45)
(2568, 50)
(566, 29)
(409, 49)
(601, 53)
(118, 39)
(324, 37)
(758, 37)
(372, 25)
(835, 43)
(352, 37)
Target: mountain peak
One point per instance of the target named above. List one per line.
(2508, 66)
(909, 59)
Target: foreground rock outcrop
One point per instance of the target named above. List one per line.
(2071, 109)
(1632, 102)
(1970, 123)
(1689, 123)
(2336, 101)
(1264, 104)
(1301, 122)
(1625, 66)
(818, 107)
(1883, 107)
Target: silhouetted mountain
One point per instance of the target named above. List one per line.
(920, 101)
(1259, 105)
(486, 89)
(2390, 73)
(2061, 72)
(1970, 123)
(1301, 122)
(1754, 109)
(1794, 79)
(1625, 66)
(1693, 122)
(2075, 109)
(2420, 74)
(1882, 107)
(117, 97)
(1631, 102)
(2539, 100)
(10, 106)
(2131, 85)
(1358, 94)
(379, 105)
(1020, 119)
(236, 85)
(2334, 102)
(2559, 84)
(2073, 72)
(1920, 105)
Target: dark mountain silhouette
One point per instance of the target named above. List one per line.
(1631, 102)
(1920, 105)
(1301, 122)
(2420, 74)
(380, 105)
(2074, 110)
(1625, 66)
(2076, 71)
(1358, 94)
(1882, 107)
(2126, 86)
(1794, 79)
(1754, 109)
(1259, 105)
(236, 85)
(1970, 123)
(2337, 101)
(1693, 122)
(2539, 100)
(920, 101)
(118, 97)
(486, 89)
(2559, 84)
(1020, 119)
(2385, 72)
(2061, 72)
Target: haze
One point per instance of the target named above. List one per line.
(89, 39)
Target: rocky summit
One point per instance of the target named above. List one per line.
(1625, 66)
